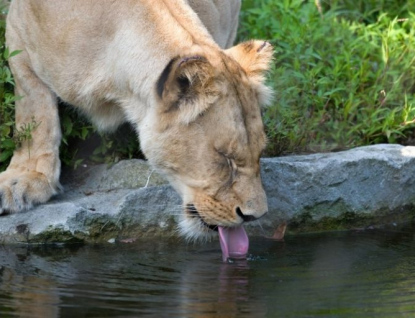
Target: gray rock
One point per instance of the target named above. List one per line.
(368, 181)
(128, 200)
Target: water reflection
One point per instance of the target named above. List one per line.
(218, 289)
(345, 275)
(24, 290)
(367, 273)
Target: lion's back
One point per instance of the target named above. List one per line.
(220, 18)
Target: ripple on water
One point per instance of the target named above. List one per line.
(367, 273)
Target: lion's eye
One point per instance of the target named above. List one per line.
(229, 162)
(233, 168)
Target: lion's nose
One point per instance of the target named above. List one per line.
(246, 217)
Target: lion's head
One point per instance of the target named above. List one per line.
(207, 135)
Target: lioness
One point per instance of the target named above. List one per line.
(153, 63)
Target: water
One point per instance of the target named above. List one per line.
(349, 274)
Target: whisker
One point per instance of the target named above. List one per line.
(148, 179)
(262, 229)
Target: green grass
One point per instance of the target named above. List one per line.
(344, 76)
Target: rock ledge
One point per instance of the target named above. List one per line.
(320, 191)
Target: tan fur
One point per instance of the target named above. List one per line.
(198, 119)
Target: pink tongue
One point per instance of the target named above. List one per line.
(233, 241)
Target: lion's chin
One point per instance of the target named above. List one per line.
(192, 229)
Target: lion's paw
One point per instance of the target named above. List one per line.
(20, 190)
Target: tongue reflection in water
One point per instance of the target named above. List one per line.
(234, 242)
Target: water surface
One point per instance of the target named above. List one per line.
(348, 274)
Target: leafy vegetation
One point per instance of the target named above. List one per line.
(7, 99)
(344, 76)
(82, 142)
(344, 72)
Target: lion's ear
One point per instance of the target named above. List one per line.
(184, 86)
(255, 58)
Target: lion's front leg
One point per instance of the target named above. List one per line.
(33, 174)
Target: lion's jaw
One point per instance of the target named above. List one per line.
(207, 136)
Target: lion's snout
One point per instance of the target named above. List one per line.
(204, 214)
(250, 217)
(255, 204)
(228, 211)
(245, 217)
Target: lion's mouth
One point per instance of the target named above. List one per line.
(191, 209)
(234, 241)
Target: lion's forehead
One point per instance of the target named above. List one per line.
(242, 96)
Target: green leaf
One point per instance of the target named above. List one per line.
(14, 53)
(5, 155)
(7, 144)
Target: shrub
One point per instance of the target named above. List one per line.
(7, 99)
(342, 77)
(82, 142)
